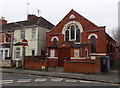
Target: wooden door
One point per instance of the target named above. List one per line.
(63, 53)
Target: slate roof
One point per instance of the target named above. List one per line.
(40, 21)
(73, 45)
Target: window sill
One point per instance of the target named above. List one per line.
(77, 43)
(53, 57)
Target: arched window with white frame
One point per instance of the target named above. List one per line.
(72, 31)
(54, 41)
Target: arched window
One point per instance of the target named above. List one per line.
(77, 35)
(54, 41)
(72, 32)
(93, 44)
(67, 35)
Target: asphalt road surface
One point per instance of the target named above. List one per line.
(12, 79)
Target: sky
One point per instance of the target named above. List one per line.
(100, 12)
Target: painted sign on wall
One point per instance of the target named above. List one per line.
(76, 53)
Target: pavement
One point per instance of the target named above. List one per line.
(108, 77)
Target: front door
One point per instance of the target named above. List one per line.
(63, 53)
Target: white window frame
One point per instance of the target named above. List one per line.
(16, 51)
(3, 55)
(72, 23)
(22, 33)
(93, 34)
(55, 37)
(33, 35)
(52, 53)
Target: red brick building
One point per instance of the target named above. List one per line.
(79, 45)
(5, 39)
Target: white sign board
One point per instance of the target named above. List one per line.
(93, 57)
(43, 67)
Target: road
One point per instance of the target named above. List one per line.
(12, 79)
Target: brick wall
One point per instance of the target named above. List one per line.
(52, 63)
(84, 66)
(35, 62)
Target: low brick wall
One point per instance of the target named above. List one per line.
(35, 63)
(52, 63)
(84, 66)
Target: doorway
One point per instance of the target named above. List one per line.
(63, 53)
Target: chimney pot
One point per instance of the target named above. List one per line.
(3, 21)
(31, 16)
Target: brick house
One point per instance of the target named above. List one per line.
(34, 30)
(5, 39)
(79, 45)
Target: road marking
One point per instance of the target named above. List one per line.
(86, 81)
(40, 80)
(57, 79)
(23, 80)
(116, 84)
(71, 80)
(6, 81)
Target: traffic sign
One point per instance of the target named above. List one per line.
(24, 42)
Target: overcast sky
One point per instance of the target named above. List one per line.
(100, 12)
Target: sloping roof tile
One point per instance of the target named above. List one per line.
(40, 21)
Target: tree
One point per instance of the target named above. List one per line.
(116, 36)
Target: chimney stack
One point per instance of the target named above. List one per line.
(3, 21)
(31, 16)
